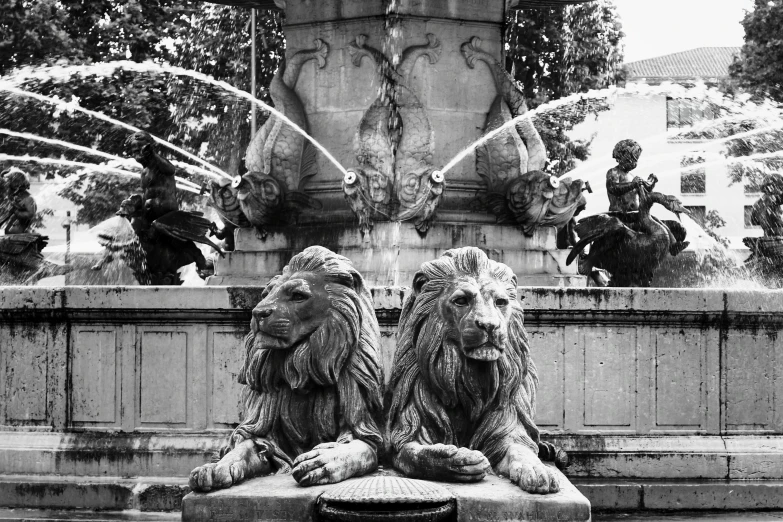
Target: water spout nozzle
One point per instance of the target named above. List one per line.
(350, 177)
(237, 181)
(554, 182)
(437, 177)
(588, 188)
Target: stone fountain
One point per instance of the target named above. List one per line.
(394, 91)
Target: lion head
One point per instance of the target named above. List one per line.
(462, 372)
(312, 371)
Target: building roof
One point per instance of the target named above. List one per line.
(703, 62)
(518, 4)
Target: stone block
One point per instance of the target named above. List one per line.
(279, 498)
(714, 495)
(611, 496)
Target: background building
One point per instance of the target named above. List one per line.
(655, 117)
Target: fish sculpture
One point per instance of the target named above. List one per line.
(277, 150)
(511, 163)
(224, 198)
(395, 178)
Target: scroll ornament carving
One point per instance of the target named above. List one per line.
(395, 178)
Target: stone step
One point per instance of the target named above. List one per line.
(675, 495)
(96, 493)
(50, 515)
(96, 454)
(690, 516)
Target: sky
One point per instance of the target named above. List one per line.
(659, 27)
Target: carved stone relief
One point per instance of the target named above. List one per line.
(395, 178)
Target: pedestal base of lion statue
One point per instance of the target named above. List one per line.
(384, 495)
(391, 253)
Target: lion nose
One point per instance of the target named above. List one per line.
(262, 312)
(488, 324)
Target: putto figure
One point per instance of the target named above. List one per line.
(463, 384)
(18, 208)
(312, 379)
(623, 191)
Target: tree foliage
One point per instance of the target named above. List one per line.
(206, 122)
(561, 51)
(760, 68)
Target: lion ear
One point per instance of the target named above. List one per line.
(419, 280)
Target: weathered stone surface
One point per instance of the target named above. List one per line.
(279, 498)
(95, 493)
(393, 252)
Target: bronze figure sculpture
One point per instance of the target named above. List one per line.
(630, 245)
(166, 234)
(767, 251)
(312, 379)
(19, 249)
(463, 383)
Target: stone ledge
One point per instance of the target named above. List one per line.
(607, 495)
(95, 493)
(279, 498)
(49, 515)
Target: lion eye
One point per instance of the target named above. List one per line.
(298, 297)
(461, 301)
(501, 302)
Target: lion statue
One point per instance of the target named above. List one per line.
(313, 380)
(463, 383)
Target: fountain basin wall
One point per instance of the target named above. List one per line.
(636, 384)
(689, 377)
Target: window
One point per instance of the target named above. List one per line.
(693, 182)
(748, 214)
(699, 214)
(684, 112)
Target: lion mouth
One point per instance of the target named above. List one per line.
(485, 352)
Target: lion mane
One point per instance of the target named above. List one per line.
(328, 387)
(439, 396)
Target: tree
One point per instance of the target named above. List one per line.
(561, 51)
(760, 68)
(214, 40)
(217, 43)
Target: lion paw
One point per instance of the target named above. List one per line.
(334, 462)
(242, 462)
(216, 476)
(450, 463)
(533, 476)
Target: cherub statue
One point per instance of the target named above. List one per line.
(623, 191)
(19, 207)
(19, 249)
(159, 188)
(766, 212)
(166, 234)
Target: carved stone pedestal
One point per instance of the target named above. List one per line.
(279, 498)
(391, 253)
